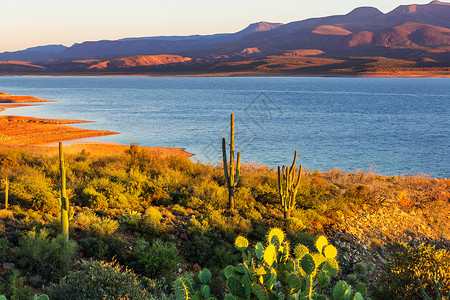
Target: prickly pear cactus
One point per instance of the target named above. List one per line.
(185, 288)
(270, 271)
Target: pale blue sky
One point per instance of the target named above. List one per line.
(27, 23)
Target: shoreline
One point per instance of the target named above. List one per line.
(37, 134)
(400, 74)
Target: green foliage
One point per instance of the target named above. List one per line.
(154, 260)
(91, 224)
(48, 257)
(98, 280)
(3, 249)
(210, 250)
(414, 267)
(32, 189)
(105, 248)
(12, 286)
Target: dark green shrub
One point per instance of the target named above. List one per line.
(3, 249)
(103, 248)
(208, 249)
(49, 258)
(98, 280)
(154, 261)
(12, 286)
(409, 264)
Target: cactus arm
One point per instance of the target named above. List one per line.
(280, 189)
(238, 167)
(299, 178)
(292, 172)
(225, 163)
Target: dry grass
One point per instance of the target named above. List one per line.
(6, 214)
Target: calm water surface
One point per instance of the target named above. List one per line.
(394, 125)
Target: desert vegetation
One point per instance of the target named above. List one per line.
(148, 226)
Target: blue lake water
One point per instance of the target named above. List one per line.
(393, 125)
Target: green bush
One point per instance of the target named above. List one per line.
(103, 248)
(98, 280)
(410, 264)
(154, 261)
(49, 258)
(91, 224)
(3, 249)
(12, 286)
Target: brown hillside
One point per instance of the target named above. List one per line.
(141, 61)
(331, 30)
(303, 52)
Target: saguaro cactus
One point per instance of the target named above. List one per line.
(64, 199)
(232, 169)
(288, 186)
(6, 181)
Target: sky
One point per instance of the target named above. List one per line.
(29, 23)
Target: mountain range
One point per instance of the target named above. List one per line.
(364, 40)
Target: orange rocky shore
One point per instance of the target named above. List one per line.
(33, 133)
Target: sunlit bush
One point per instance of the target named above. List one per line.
(98, 280)
(411, 264)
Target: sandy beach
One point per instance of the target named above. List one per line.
(37, 135)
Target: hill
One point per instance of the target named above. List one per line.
(416, 33)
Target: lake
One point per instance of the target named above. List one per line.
(396, 126)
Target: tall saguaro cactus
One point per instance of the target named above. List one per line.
(288, 186)
(64, 199)
(232, 169)
(6, 181)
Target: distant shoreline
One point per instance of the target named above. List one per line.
(402, 74)
(39, 134)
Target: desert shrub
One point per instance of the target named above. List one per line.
(103, 248)
(113, 191)
(409, 264)
(93, 199)
(152, 222)
(6, 214)
(93, 225)
(198, 227)
(293, 225)
(207, 194)
(302, 237)
(207, 249)
(49, 258)
(154, 260)
(98, 280)
(199, 249)
(3, 249)
(31, 188)
(12, 286)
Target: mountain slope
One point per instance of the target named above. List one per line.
(34, 53)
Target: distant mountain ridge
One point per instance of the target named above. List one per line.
(413, 31)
